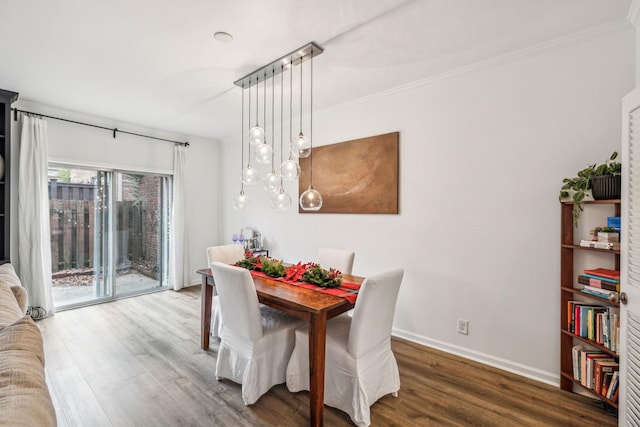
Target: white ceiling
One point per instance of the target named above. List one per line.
(156, 63)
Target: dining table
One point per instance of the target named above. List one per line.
(308, 304)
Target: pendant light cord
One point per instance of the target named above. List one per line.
(281, 120)
(249, 127)
(311, 124)
(242, 142)
(257, 99)
(291, 110)
(264, 105)
(301, 61)
(273, 126)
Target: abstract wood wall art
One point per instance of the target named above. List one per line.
(358, 176)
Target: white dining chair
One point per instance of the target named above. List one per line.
(360, 367)
(256, 341)
(228, 254)
(340, 259)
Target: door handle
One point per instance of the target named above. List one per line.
(621, 298)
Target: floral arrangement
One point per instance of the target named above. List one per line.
(269, 266)
(309, 272)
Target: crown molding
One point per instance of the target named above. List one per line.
(611, 27)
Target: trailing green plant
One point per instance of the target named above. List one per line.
(575, 189)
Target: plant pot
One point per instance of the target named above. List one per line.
(608, 237)
(606, 187)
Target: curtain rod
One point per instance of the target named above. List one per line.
(114, 130)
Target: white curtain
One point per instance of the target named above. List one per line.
(179, 267)
(34, 237)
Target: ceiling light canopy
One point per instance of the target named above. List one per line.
(223, 37)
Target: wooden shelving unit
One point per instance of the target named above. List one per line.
(570, 291)
(6, 99)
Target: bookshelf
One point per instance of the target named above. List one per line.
(6, 99)
(570, 290)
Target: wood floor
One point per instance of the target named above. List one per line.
(138, 362)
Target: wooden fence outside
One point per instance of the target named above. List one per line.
(73, 231)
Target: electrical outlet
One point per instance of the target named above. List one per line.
(463, 327)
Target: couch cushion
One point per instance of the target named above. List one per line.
(10, 310)
(8, 275)
(24, 396)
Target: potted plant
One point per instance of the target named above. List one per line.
(603, 180)
(608, 234)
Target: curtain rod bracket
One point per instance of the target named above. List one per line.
(15, 114)
(114, 132)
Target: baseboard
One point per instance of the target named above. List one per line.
(487, 359)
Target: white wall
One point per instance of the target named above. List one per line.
(81, 145)
(482, 155)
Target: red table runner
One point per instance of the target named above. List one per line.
(346, 290)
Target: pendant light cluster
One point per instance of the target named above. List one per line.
(258, 135)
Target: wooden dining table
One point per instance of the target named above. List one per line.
(308, 304)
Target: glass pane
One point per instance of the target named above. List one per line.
(78, 201)
(140, 232)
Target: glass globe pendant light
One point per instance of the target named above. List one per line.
(311, 199)
(263, 152)
(301, 145)
(250, 174)
(281, 201)
(271, 181)
(290, 169)
(240, 201)
(256, 133)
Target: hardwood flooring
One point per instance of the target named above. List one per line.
(138, 362)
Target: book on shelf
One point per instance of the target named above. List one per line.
(600, 368)
(603, 279)
(612, 391)
(605, 273)
(599, 245)
(615, 331)
(575, 358)
(586, 365)
(606, 381)
(602, 295)
(595, 322)
(614, 398)
(577, 324)
(597, 283)
(614, 222)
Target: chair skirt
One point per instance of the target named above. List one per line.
(260, 365)
(352, 384)
(216, 319)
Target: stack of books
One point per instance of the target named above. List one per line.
(594, 322)
(600, 245)
(600, 281)
(597, 371)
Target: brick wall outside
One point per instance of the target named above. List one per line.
(144, 192)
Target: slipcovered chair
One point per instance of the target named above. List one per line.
(229, 254)
(256, 341)
(360, 367)
(339, 259)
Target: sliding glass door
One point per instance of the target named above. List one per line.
(109, 234)
(141, 232)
